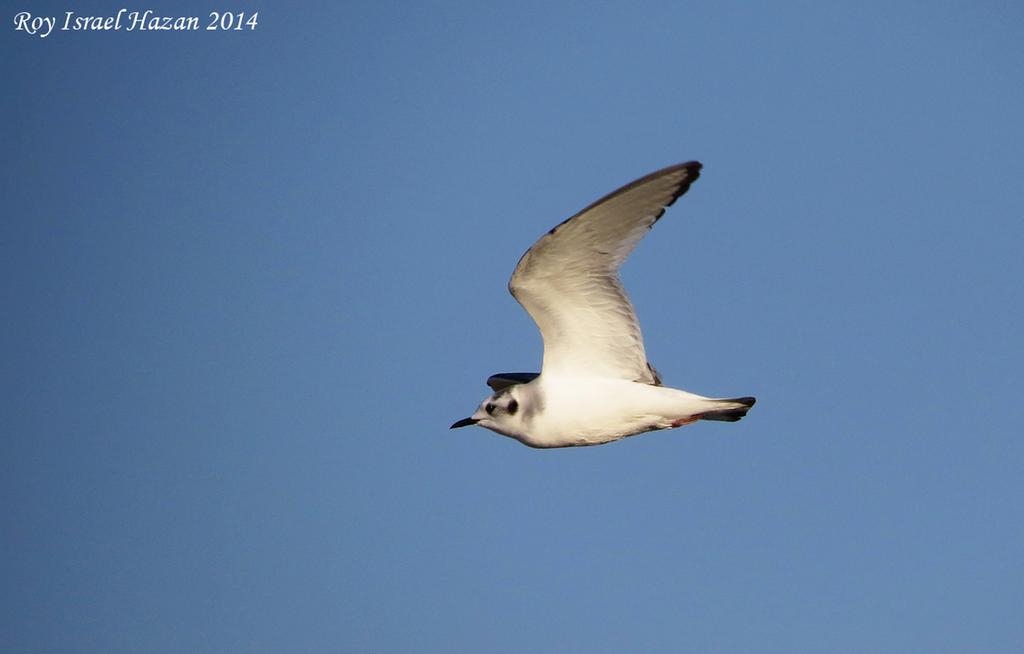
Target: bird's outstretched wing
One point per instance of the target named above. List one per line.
(569, 283)
(503, 380)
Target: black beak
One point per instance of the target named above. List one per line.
(465, 422)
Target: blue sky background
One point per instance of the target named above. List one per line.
(250, 278)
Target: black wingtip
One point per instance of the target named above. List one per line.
(730, 415)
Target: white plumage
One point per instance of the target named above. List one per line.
(596, 384)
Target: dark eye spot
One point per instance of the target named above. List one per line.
(489, 408)
(513, 406)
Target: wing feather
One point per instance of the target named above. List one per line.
(502, 380)
(569, 283)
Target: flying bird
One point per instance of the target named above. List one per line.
(595, 385)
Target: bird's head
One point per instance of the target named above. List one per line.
(502, 412)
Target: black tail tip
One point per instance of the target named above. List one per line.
(730, 415)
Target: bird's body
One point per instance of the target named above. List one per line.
(574, 411)
(596, 385)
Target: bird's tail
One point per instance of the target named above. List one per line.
(729, 410)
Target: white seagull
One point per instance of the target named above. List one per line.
(595, 384)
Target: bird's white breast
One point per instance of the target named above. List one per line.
(589, 410)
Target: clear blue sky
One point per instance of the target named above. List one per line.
(250, 278)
